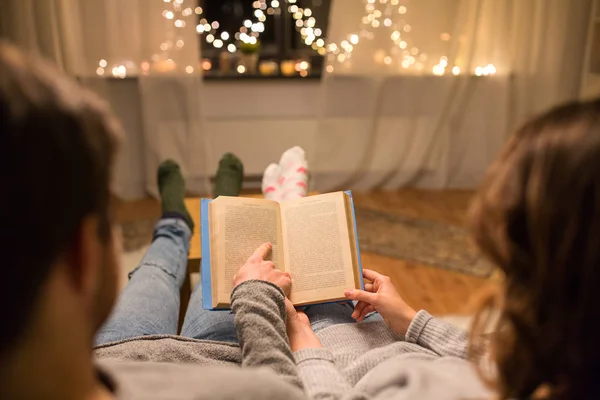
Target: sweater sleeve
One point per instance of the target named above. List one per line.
(321, 378)
(399, 379)
(438, 336)
(259, 309)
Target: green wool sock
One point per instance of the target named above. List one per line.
(229, 176)
(172, 190)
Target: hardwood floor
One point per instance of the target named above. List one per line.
(436, 290)
(446, 206)
(439, 291)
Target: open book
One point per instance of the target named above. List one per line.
(314, 239)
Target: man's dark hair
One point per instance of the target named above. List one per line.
(57, 143)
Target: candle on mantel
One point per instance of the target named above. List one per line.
(303, 68)
(206, 64)
(268, 68)
(163, 66)
(288, 67)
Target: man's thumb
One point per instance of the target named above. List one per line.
(360, 295)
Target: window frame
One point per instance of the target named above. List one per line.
(279, 51)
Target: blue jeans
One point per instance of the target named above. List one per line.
(149, 304)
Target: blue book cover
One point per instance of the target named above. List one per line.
(205, 262)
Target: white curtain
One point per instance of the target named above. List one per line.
(423, 93)
(140, 55)
(416, 92)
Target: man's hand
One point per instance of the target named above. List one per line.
(299, 331)
(381, 296)
(257, 268)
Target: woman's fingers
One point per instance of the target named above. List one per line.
(358, 309)
(364, 312)
(361, 295)
(372, 275)
(369, 287)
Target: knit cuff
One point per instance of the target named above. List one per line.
(417, 326)
(313, 354)
(254, 283)
(261, 291)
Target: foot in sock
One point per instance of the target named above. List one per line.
(172, 190)
(270, 183)
(294, 174)
(230, 175)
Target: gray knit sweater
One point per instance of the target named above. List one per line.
(357, 361)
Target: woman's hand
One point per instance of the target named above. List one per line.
(299, 332)
(381, 296)
(256, 268)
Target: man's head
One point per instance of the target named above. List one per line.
(57, 144)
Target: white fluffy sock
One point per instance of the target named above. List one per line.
(270, 182)
(294, 174)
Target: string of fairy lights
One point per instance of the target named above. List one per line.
(386, 17)
(251, 29)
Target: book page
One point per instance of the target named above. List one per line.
(318, 252)
(242, 224)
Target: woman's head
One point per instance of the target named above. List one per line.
(537, 216)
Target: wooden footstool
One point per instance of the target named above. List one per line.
(194, 257)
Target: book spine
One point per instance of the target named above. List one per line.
(205, 261)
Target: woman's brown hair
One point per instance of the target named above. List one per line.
(537, 217)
